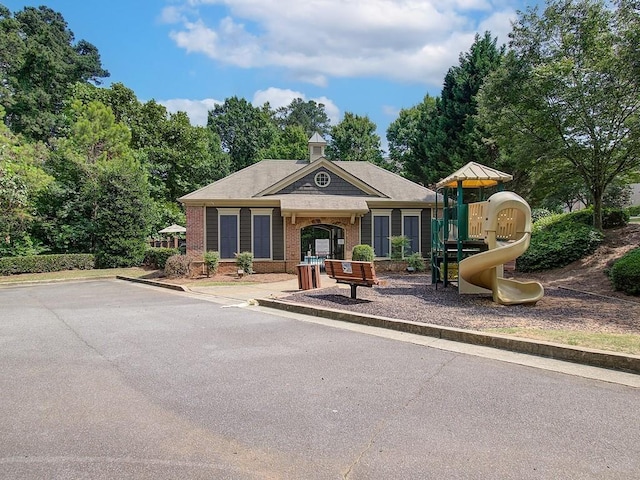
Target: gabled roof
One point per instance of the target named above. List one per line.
(264, 179)
(246, 183)
(333, 167)
(474, 175)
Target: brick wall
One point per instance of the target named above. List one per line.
(195, 230)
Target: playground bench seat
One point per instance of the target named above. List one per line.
(355, 274)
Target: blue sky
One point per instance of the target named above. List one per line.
(367, 57)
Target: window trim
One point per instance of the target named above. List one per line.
(228, 212)
(381, 213)
(414, 213)
(262, 212)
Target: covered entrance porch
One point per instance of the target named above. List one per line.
(321, 226)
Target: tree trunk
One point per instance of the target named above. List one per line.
(598, 193)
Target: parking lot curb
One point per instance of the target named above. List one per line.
(584, 356)
(171, 286)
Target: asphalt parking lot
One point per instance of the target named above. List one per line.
(107, 379)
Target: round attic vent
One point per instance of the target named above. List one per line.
(322, 179)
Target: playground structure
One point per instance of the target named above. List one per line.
(471, 242)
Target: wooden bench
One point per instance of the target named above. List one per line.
(355, 274)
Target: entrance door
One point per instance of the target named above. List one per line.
(322, 241)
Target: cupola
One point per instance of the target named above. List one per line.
(316, 147)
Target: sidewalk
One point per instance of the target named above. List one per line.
(253, 291)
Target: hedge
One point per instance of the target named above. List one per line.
(157, 257)
(625, 273)
(46, 263)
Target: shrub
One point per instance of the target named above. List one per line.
(363, 253)
(244, 260)
(211, 260)
(625, 273)
(611, 217)
(416, 262)
(46, 263)
(557, 241)
(398, 246)
(157, 257)
(614, 217)
(633, 211)
(177, 266)
(538, 213)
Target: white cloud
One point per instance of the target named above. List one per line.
(197, 110)
(171, 14)
(407, 40)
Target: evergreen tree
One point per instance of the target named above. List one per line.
(449, 137)
(39, 62)
(122, 214)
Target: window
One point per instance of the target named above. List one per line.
(381, 235)
(262, 236)
(411, 230)
(322, 179)
(228, 235)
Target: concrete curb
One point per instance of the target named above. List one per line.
(595, 358)
(171, 286)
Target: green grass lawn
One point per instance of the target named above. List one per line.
(634, 220)
(72, 275)
(612, 342)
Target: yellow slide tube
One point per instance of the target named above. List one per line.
(480, 269)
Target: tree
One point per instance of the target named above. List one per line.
(569, 91)
(309, 115)
(355, 138)
(73, 202)
(178, 156)
(553, 194)
(22, 179)
(183, 158)
(39, 63)
(244, 131)
(122, 216)
(403, 136)
(291, 143)
(449, 137)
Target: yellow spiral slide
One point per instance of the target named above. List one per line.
(507, 231)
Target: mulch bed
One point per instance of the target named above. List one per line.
(412, 297)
